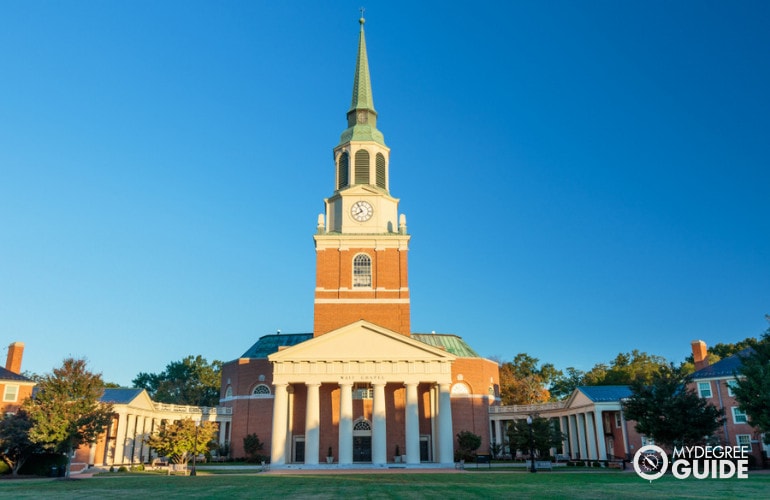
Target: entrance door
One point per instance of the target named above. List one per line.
(362, 448)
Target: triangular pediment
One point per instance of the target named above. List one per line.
(361, 341)
(577, 400)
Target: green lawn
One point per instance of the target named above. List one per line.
(388, 485)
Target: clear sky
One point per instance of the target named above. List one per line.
(580, 178)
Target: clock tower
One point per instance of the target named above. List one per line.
(361, 240)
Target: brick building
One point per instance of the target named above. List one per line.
(15, 387)
(361, 385)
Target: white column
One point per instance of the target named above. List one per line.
(312, 423)
(128, 450)
(574, 444)
(280, 410)
(626, 448)
(379, 434)
(581, 434)
(345, 451)
(499, 433)
(564, 427)
(601, 441)
(591, 428)
(412, 421)
(446, 435)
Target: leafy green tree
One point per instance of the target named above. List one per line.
(544, 436)
(627, 367)
(564, 385)
(670, 412)
(523, 381)
(15, 444)
(66, 411)
(467, 444)
(182, 439)
(752, 388)
(253, 448)
(192, 381)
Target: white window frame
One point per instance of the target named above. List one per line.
(730, 384)
(11, 393)
(702, 390)
(618, 421)
(737, 413)
(743, 440)
(362, 279)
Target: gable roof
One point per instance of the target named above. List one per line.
(605, 393)
(6, 374)
(726, 367)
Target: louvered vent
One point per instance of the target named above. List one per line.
(380, 163)
(362, 167)
(342, 172)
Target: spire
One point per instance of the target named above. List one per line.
(362, 118)
(362, 85)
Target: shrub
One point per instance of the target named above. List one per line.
(40, 464)
(122, 468)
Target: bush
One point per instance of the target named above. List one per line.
(137, 468)
(4, 469)
(122, 468)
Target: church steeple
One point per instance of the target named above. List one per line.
(361, 240)
(362, 117)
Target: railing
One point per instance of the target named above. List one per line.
(196, 410)
(536, 408)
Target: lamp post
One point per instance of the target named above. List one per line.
(531, 445)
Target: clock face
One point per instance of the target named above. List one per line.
(361, 211)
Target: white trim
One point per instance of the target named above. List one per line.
(735, 412)
(6, 398)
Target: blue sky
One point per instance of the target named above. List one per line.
(579, 178)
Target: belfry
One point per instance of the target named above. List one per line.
(361, 388)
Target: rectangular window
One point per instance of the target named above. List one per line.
(730, 385)
(739, 417)
(744, 441)
(11, 393)
(704, 389)
(618, 423)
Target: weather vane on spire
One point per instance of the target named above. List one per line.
(362, 15)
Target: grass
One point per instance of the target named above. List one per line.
(388, 485)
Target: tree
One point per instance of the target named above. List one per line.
(565, 384)
(523, 382)
(253, 446)
(625, 368)
(15, 444)
(192, 381)
(752, 388)
(182, 439)
(670, 412)
(544, 436)
(66, 411)
(467, 443)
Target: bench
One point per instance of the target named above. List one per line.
(158, 463)
(178, 469)
(543, 465)
(460, 464)
(484, 459)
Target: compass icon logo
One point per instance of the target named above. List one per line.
(650, 462)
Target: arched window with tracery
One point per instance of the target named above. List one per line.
(362, 271)
(261, 391)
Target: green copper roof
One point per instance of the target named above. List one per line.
(362, 117)
(452, 343)
(362, 83)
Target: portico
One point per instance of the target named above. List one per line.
(359, 373)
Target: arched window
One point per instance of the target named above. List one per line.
(362, 166)
(362, 425)
(380, 168)
(261, 391)
(362, 271)
(342, 171)
(460, 389)
(229, 391)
